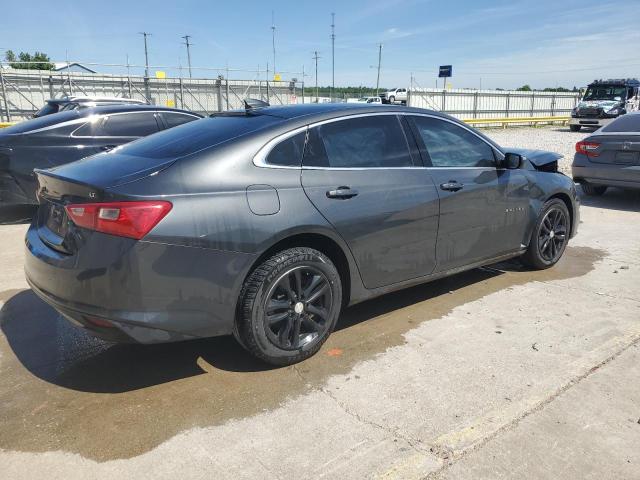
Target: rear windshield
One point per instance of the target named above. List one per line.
(624, 123)
(48, 109)
(195, 136)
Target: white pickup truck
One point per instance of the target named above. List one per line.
(394, 95)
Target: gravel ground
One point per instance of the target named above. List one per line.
(555, 139)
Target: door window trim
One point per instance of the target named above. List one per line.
(259, 159)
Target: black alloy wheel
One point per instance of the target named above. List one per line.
(550, 235)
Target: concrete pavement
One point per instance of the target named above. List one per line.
(496, 373)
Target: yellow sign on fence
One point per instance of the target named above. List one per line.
(277, 77)
(171, 103)
(161, 74)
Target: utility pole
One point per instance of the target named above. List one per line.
(147, 93)
(316, 58)
(186, 42)
(273, 42)
(379, 61)
(333, 54)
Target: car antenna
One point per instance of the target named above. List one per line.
(253, 103)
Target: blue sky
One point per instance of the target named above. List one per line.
(496, 43)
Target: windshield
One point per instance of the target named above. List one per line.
(48, 109)
(604, 93)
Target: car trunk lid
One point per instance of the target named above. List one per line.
(616, 149)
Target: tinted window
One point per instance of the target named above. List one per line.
(626, 123)
(129, 125)
(195, 136)
(370, 142)
(175, 119)
(288, 152)
(449, 145)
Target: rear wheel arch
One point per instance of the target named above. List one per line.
(318, 241)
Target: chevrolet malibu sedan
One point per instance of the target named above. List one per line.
(266, 223)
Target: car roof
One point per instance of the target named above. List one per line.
(94, 99)
(321, 111)
(124, 108)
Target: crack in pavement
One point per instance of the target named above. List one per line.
(456, 457)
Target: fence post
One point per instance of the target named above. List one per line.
(507, 108)
(181, 94)
(226, 87)
(444, 100)
(4, 96)
(533, 103)
(219, 88)
(51, 92)
(475, 105)
(553, 104)
(268, 92)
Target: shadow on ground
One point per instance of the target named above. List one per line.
(17, 215)
(614, 199)
(61, 386)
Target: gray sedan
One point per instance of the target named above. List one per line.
(610, 157)
(266, 223)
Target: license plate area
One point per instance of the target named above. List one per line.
(56, 220)
(626, 158)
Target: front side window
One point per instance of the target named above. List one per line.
(288, 152)
(449, 145)
(365, 142)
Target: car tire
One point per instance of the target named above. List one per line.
(593, 190)
(392, 99)
(289, 306)
(549, 237)
(575, 128)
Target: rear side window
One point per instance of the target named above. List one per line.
(449, 145)
(365, 142)
(129, 125)
(625, 123)
(288, 153)
(174, 119)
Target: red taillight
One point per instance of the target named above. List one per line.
(588, 148)
(125, 219)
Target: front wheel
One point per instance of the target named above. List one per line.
(392, 99)
(550, 236)
(289, 306)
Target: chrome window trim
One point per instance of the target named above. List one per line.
(259, 159)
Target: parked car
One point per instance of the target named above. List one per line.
(265, 224)
(55, 105)
(394, 95)
(605, 100)
(610, 157)
(67, 136)
(371, 100)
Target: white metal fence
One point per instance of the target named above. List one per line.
(467, 104)
(23, 92)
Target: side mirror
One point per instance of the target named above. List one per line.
(512, 161)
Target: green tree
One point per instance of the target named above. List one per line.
(26, 61)
(524, 88)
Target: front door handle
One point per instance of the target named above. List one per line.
(342, 193)
(451, 186)
(106, 148)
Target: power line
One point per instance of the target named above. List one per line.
(186, 42)
(316, 58)
(333, 53)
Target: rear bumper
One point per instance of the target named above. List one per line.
(614, 175)
(148, 292)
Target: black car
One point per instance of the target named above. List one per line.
(55, 105)
(266, 223)
(67, 136)
(610, 157)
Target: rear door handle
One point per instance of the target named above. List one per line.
(342, 193)
(451, 186)
(106, 148)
